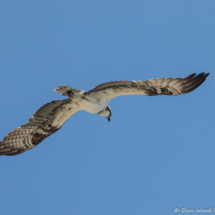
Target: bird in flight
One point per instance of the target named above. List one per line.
(51, 116)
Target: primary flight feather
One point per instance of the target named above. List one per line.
(50, 117)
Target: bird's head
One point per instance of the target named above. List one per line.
(106, 112)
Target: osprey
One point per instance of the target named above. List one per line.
(50, 117)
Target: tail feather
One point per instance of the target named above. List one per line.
(66, 90)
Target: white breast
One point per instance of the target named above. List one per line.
(91, 104)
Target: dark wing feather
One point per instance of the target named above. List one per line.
(46, 121)
(153, 87)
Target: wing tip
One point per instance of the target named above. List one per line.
(194, 81)
(206, 75)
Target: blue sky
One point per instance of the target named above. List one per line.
(156, 154)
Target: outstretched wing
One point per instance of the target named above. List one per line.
(153, 87)
(46, 121)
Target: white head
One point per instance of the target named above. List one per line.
(106, 112)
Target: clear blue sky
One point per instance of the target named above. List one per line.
(157, 153)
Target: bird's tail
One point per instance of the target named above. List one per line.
(66, 90)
